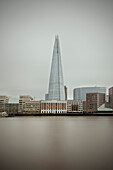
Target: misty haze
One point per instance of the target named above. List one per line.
(28, 28)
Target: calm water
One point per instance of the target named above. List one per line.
(56, 143)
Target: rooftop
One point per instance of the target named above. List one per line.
(13, 100)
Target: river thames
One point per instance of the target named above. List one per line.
(56, 143)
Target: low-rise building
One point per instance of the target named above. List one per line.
(53, 106)
(105, 108)
(111, 97)
(3, 100)
(12, 107)
(75, 106)
(32, 107)
(94, 101)
(22, 100)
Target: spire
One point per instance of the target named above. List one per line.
(56, 41)
(56, 84)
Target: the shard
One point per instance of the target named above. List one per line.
(56, 84)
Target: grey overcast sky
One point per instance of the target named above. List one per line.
(27, 33)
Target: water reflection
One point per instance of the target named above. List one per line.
(56, 143)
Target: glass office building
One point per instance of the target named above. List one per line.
(80, 93)
(56, 84)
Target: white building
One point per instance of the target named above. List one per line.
(53, 106)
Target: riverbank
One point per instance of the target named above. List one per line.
(67, 114)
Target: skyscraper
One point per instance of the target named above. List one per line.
(56, 84)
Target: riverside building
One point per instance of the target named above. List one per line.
(3, 100)
(80, 93)
(52, 106)
(23, 99)
(94, 101)
(23, 104)
(12, 107)
(111, 97)
(74, 106)
(31, 107)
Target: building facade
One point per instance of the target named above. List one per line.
(111, 97)
(3, 100)
(74, 106)
(84, 106)
(94, 101)
(80, 93)
(12, 108)
(22, 100)
(55, 107)
(56, 84)
(22, 105)
(31, 107)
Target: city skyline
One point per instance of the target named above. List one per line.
(27, 33)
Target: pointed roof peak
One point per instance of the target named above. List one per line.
(56, 40)
(56, 36)
(56, 44)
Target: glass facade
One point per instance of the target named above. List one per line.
(80, 93)
(56, 84)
